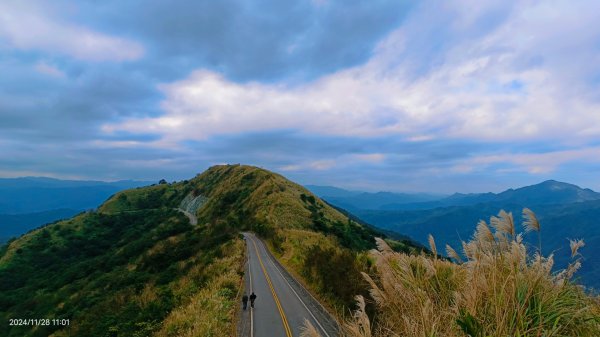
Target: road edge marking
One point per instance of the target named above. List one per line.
(286, 325)
(298, 296)
(251, 309)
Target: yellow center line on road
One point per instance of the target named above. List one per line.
(286, 326)
(251, 309)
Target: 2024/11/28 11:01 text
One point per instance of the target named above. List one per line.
(36, 321)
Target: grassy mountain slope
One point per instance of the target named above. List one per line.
(300, 227)
(137, 267)
(115, 274)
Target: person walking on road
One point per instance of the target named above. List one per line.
(245, 301)
(252, 299)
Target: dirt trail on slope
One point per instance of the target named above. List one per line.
(190, 205)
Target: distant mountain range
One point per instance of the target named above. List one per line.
(565, 211)
(355, 200)
(27, 203)
(547, 192)
(37, 194)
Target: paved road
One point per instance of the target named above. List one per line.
(282, 304)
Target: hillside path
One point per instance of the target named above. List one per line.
(282, 304)
(192, 217)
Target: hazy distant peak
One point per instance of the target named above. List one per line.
(330, 191)
(553, 185)
(47, 182)
(548, 192)
(552, 182)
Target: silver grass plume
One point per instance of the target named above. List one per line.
(453, 254)
(432, 245)
(531, 222)
(504, 223)
(308, 330)
(575, 245)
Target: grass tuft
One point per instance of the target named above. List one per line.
(500, 290)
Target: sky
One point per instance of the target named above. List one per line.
(413, 96)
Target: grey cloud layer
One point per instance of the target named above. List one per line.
(73, 98)
(258, 40)
(429, 81)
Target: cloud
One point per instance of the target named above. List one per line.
(401, 95)
(502, 85)
(48, 69)
(539, 163)
(54, 90)
(28, 26)
(48, 102)
(245, 41)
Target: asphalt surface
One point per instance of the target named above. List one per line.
(282, 304)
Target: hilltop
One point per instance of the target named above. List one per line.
(549, 192)
(138, 266)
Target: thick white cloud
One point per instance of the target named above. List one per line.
(529, 76)
(28, 25)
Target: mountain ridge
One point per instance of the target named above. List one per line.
(546, 192)
(136, 265)
(49, 182)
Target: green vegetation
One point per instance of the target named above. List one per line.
(151, 197)
(123, 271)
(137, 267)
(350, 234)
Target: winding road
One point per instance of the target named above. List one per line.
(282, 304)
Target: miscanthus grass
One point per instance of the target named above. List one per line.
(494, 289)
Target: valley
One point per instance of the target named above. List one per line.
(565, 212)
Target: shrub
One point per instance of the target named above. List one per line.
(324, 267)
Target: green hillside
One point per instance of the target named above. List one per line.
(137, 267)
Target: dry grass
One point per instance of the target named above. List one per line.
(271, 199)
(210, 312)
(147, 296)
(298, 241)
(309, 330)
(500, 290)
